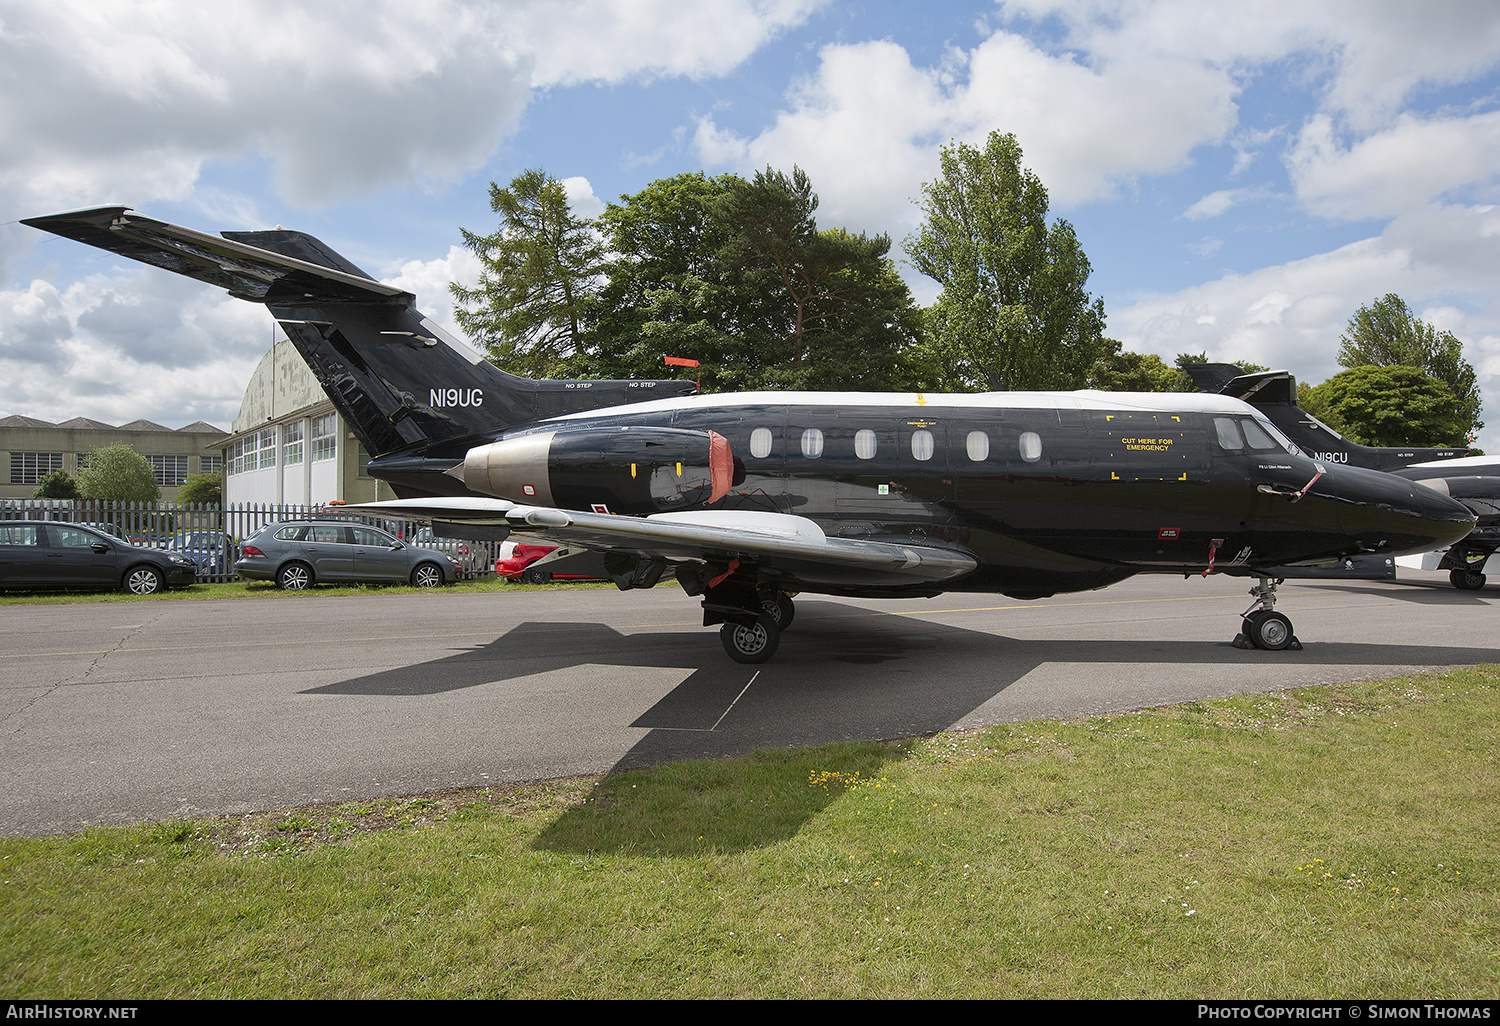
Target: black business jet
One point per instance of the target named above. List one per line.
(748, 499)
(1473, 480)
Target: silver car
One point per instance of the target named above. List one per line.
(300, 553)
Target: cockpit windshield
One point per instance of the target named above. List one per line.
(1240, 433)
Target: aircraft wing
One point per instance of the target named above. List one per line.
(792, 545)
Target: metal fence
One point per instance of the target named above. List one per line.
(212, 535)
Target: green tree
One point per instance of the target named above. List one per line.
(1393, 405)
(1124, 371)
(57, 485)
(737, 275)
(1013, 310)
(117, 473)
(203, 489)
(1387, 333)
(541, 269)
(667, 293)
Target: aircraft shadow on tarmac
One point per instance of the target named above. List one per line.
(1427, 593)
(841, 674)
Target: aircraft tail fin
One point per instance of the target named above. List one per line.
(1274, 393)
(400, 381)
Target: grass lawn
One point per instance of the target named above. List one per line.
(1338, 841)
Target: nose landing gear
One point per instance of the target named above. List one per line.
(1262, 626)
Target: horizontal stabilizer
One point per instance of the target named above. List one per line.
(296, 270)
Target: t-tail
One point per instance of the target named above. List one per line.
(410, 392)
(1274, 393)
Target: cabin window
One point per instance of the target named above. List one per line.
(812, 443)
(1229, 433)
(1030, 445)
(864, 444)
(922, 444)
(760, 443)
(978, 445)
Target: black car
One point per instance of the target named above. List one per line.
(50, 554)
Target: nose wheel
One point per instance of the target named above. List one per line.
(1261, 626)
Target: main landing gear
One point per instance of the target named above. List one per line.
(1262, 626)
(753, 616)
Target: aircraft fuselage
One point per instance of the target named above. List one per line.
(1049, 491)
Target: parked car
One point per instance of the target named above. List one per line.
(51, 554)
(470, 556)
(516, 559)
(297, 554)
(213, 551)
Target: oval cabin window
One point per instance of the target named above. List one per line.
(812, 443)
(864, 444)
(922, 445)
(1031, 446)
(760, 443)
(978, 444)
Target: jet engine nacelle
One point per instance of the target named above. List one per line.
(618, 470)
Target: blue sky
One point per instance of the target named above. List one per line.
(1242, 176)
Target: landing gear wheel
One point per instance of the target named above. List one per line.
(1466, 579)
(1270, 631)
(779, 608)
(536, 577)
(751, 644)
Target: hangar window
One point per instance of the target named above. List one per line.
(760, 443)
(31, 467)
(922, 444)
(325, 437)
(812, 443)
(978, 445)
(864, 444)
(291, 446)
(1031, 446)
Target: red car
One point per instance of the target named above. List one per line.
(516, 559)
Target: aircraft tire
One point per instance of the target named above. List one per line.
(751, 644)
(779, 608)
(1270, 631)
(1466, 580)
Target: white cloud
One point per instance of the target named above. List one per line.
(1291, 315)
(1216, 203)
(1405, 167)
(581, 199)
(106, 102)
(428, 280)
(136, 343)
(607, 41)
(867, 125)
(1372, 54)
